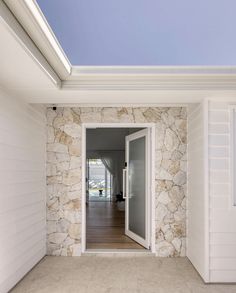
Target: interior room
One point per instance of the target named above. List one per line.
(105, 204)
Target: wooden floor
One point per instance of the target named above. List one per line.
(106, 226)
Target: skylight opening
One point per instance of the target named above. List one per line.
(144, 33)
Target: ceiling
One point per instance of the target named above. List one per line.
(144, 32)
(33, 70)
(12, 57)
(107, 138)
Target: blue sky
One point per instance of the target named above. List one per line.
(144, 32)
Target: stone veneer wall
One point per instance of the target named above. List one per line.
(64, 174)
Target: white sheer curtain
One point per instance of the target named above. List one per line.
(114, 162)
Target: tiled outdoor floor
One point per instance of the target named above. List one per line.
(100, 274)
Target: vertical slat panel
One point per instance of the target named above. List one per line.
(222, 213)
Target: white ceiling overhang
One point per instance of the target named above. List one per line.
(108, 85)
(34, 23)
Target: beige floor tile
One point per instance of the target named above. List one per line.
(92, 274)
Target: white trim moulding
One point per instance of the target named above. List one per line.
(151, 127)
(153, 70)
(157, 78)
(151, 81)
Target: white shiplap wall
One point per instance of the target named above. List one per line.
(222, 213)
(22, 189)
(197, 199)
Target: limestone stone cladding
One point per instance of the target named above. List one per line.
(64, 174)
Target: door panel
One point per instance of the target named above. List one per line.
(136, 181)
(137, 148)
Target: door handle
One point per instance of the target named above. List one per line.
(124, 184)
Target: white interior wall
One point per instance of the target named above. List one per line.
(222, 213)
(22, 189)
(197, 205)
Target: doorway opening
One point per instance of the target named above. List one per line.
(117, 209)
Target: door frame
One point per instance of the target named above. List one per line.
(151, 189)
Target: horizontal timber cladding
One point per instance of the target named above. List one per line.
(23, 191)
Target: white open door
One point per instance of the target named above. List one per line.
(136, 187)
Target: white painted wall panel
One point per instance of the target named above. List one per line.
(222, 215)
(22, 189)
(197, 222)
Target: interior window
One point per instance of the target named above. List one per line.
(99, 181)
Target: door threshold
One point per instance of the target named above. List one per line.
(119, 252)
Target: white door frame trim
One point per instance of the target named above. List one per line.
(150, 126)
